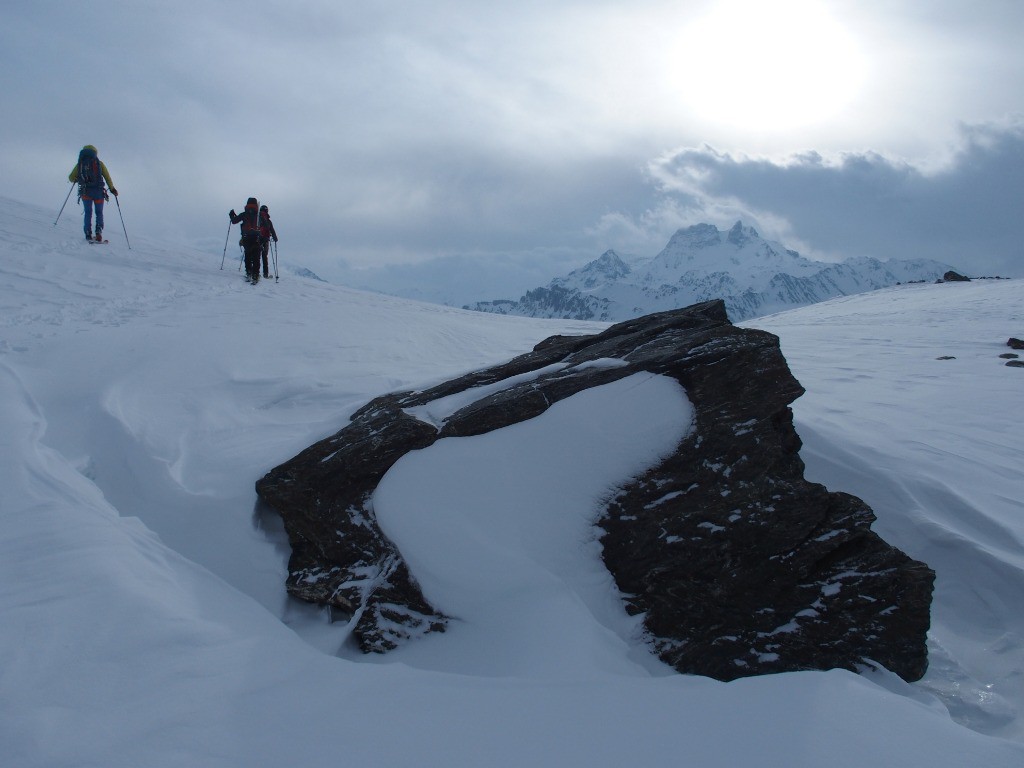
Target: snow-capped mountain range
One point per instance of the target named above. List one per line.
(754, 276)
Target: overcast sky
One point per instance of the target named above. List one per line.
(389, 132)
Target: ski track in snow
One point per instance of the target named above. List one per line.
(144, 622)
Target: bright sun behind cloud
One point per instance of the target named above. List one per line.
(767, 66)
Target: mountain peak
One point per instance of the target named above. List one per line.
(695, 236)
(739, 235)
(700, 236)
(610, 259)
(605, 269)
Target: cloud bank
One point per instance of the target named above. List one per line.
(383, 134)
(964, 211)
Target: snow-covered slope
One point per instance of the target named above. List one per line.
(142, 610)
(911, 406)
(752, 275)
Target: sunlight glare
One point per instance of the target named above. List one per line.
(768, 66)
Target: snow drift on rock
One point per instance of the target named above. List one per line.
(142, 393)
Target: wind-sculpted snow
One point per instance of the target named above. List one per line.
(143, 620)
(914, 378)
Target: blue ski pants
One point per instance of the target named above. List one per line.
(87, 204)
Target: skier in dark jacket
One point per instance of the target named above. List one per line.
(90, 173)
(266, 232)
(250, 221)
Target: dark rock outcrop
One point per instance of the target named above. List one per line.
(1015, 343)
(738, 564)
(954, 277)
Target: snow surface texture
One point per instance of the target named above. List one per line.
(143, 619)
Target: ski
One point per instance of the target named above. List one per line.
(102, 242)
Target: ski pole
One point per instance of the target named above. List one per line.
(122, 222)
(65, 203)
(277, 277)
(226, 238)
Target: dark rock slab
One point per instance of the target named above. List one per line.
(738, 564)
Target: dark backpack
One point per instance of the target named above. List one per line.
(251, 219)
(89, 173)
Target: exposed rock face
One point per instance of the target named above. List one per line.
(954, 277)
(739, 565)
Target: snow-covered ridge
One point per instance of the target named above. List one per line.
(436, 412)
(142, 616)
(754, 277)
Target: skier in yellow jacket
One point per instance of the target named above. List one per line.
(90, 173)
